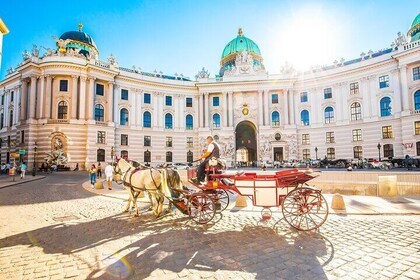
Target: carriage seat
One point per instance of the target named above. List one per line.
(215, 165)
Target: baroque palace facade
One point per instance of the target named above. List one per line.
(66, 99)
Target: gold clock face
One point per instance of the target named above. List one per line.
(245, 111)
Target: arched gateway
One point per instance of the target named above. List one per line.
(246, 142)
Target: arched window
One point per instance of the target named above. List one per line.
(168, 121)
(385, 107)
(99, 113)
(417, 100)
(275, 119)
(100, 155)
(124, 116)
(216, 121)
(62, 110)
(356, 111)
(168, 156)
(147, 119)
(189, 122)
(329, 115)
(304, 117)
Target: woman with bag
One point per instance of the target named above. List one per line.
(92, 173)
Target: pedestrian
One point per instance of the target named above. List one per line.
(99, 170)
(109, 172)
(23, 168)
(8, 166)
(92, 173)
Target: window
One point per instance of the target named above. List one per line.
(99, 89)
(417, 128)
(190, 142)
(62, 110)
(327, 93)
(274, 98)
(168, 156)
(330, 153)
(385, 107)
(190, 157)
(12, 96)
(124, 94)
(306, 153)
(147, 156)
(384, 81)
(416, 73)
(356, 111)
(216, 121)
(388, 150)
(124, 116)
(64, 85)
(124, 154)
(168, 121)
(168, 142)
(418, 148)
(275, 119)
(100, 155)
(168, 100)
(329, 115)
(1, 121)
(124, 139)
(329, 137)
(357, 152)
(354, 88)
(303, 97)
(11, 118)
(387, 132)
(101, 137)
(216, 101)
(305, 139)
(189, 122)
(417, 100)
(357, 135)
(99, 113)
(304, 117)
(147, 141)
(147, 119)
(188, 102)
(146, 98)
(22, 137)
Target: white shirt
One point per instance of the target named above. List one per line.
(210, 148)
(109, 170)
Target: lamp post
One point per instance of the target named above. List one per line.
(379, 151)
(34, 168)
(316, 153)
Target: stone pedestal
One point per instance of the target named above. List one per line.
(387, 185)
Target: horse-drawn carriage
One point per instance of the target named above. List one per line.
(302, 206)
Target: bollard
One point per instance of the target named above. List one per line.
(98, 185)
(338, 202)
(241, 201)
(387, 185)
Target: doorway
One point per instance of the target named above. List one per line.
(246, 137)
(278, 154)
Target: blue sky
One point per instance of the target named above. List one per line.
(182, 36)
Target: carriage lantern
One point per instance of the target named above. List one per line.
(34, 168)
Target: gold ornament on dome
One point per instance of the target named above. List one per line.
(245, 110)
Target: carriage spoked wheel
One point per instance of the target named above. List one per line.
(220, 198)
(201, 208)
(305, 208)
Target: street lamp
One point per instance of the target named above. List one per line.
(379, 150)
(34, 168)
(316, 152)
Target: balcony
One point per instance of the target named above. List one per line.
(57, 121)
(101, 123)
(416, 112)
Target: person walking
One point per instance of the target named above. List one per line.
(92, 172)
(23, 168)
(109, 172)
(99, 170)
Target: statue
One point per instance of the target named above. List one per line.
(61, 44)
(35, 51)
(401, 39)
(56, 157)
(203, 74)
(26, 55)
(112, 60)
(58, 145)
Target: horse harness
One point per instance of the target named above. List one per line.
(128, 183)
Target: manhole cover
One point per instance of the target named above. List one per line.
(65, 218)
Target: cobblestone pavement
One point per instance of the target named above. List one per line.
(53, 229)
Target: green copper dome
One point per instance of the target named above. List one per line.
(414, 31)
(239, 44)
(78, 40)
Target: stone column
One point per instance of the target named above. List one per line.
(32, 97)
(224, 103)
(82, 99)
(40, 98)
(200, 110)
(155, 109)
(23, 100)
(231, 109)
(109, 99)
(115, 99)
(396, 107)
(48, 94)
(160, 114)
(291, 107)
(364, 89)
(373, 88)
(138, 108)
(181, 114)
(260, 108)
(313, 116)
(91, 98)
(339, 108)
(196, 114)
(18, 93)
(176, 111)
(404, 88)
(266, 107)
(75, 80)
(6, 110)
(286, 106)
(206, 110)
(133, 112)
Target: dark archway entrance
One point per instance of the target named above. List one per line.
(246, 137)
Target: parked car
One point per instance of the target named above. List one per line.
(180, 166)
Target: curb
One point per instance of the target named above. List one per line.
(22, 182)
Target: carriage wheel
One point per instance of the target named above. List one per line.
(305, 208)
(221, 199)
(201, 208)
